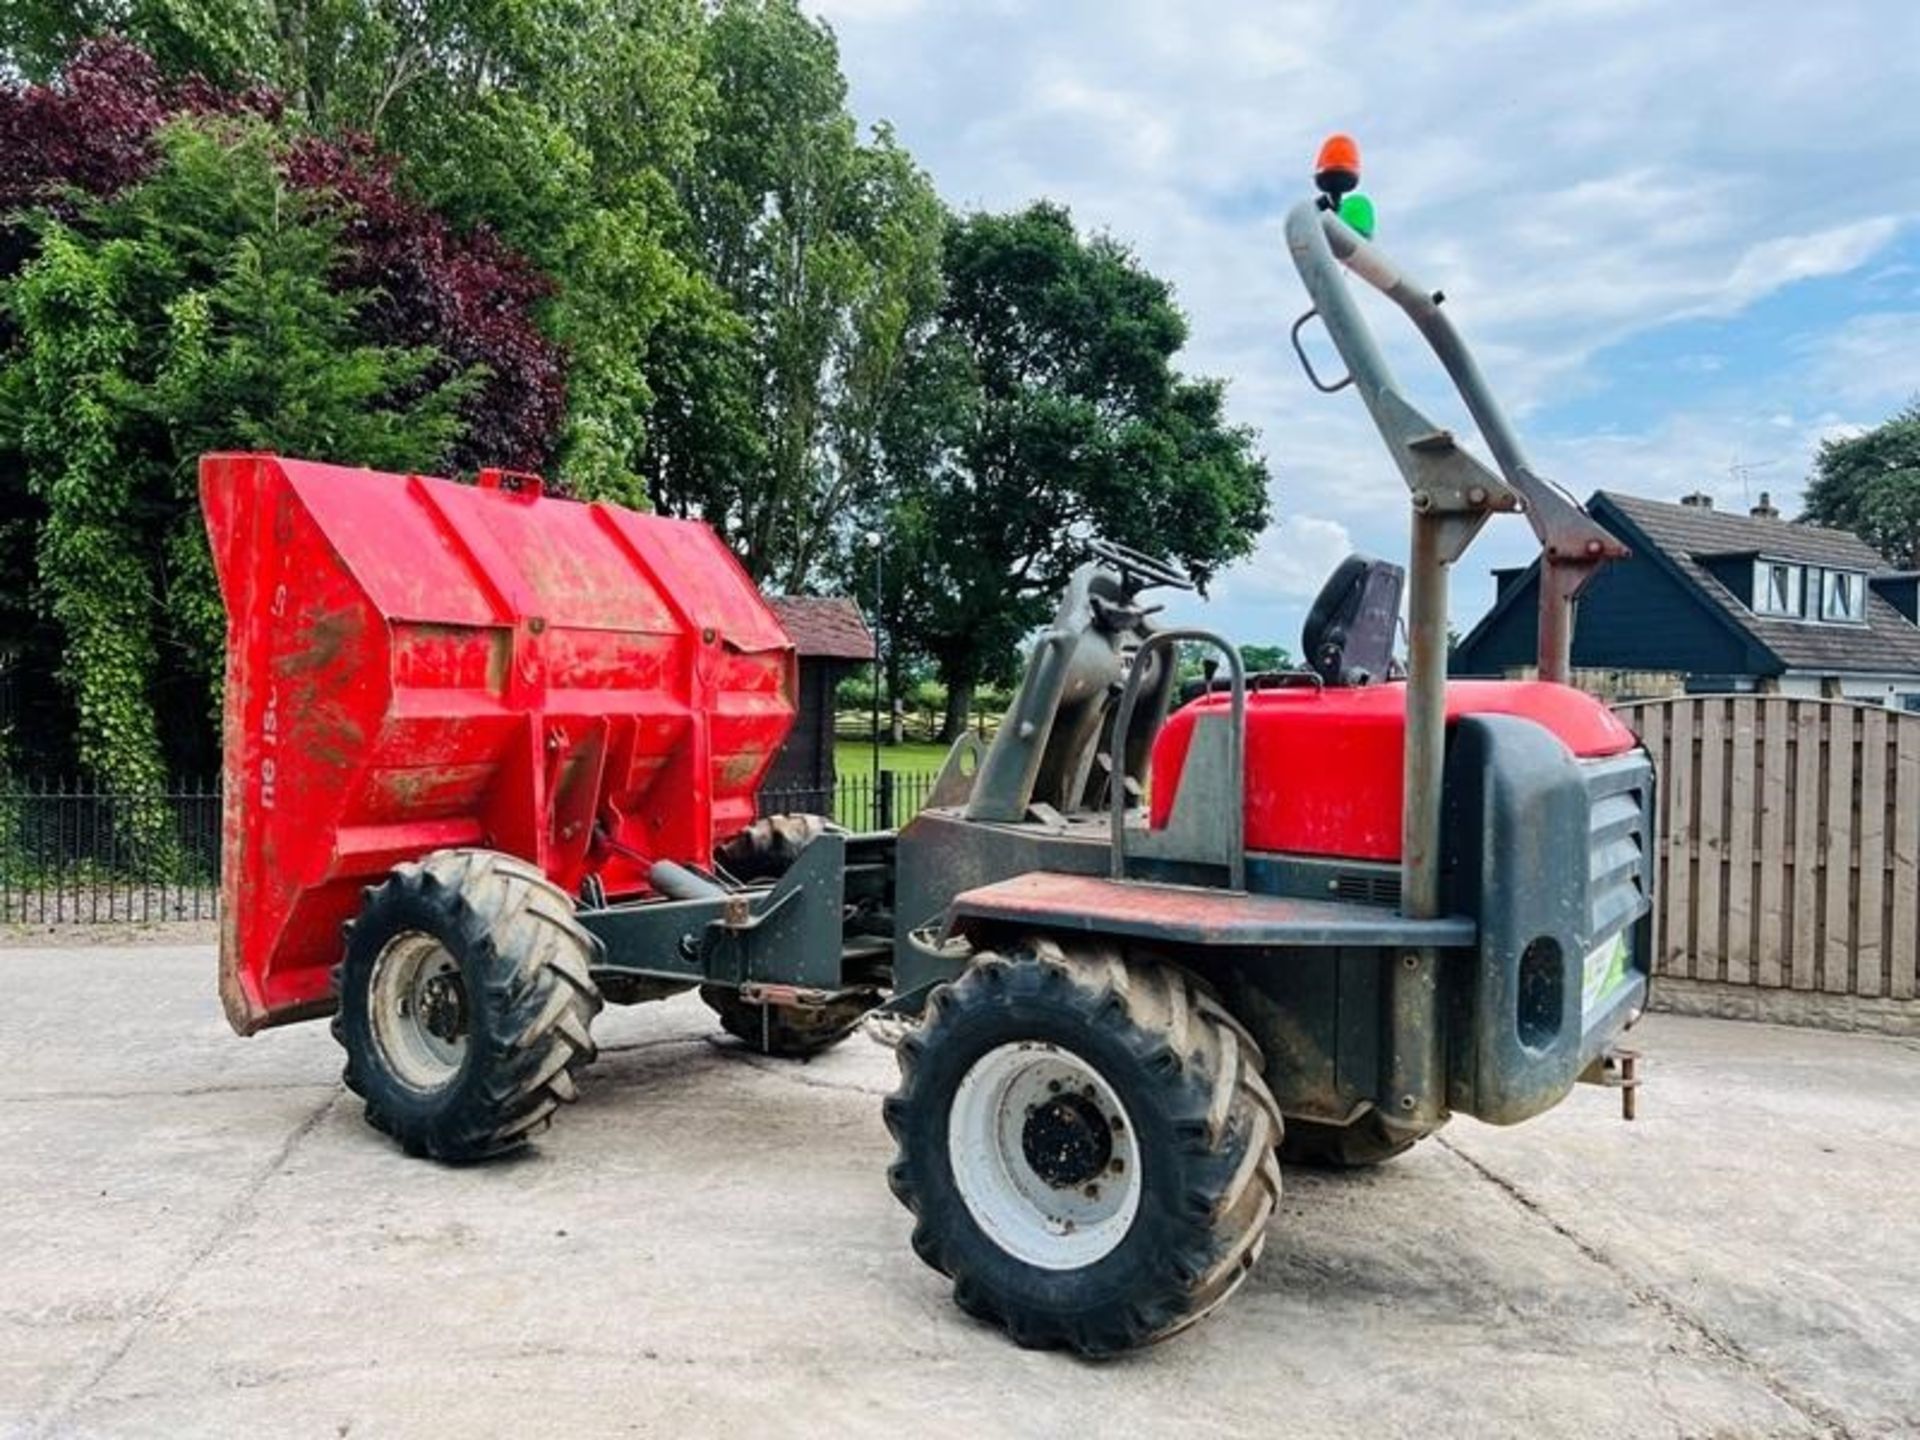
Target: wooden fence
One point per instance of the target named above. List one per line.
(1789, 854)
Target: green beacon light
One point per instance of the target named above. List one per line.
(1357, 210)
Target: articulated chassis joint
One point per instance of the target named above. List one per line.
(784, 937)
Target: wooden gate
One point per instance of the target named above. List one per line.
(1789, 853)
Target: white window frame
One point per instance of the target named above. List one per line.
(1763, 588)
(1830, 609)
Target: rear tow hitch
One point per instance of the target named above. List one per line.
(1618, 1069)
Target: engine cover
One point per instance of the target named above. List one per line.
(1324, 767)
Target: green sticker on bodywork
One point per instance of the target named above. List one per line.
(1605, 970)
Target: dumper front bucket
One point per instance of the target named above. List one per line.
(414, 664)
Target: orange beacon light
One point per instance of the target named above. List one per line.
(1337, 170)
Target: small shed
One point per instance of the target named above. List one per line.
(831, 638)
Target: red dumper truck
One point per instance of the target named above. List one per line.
(492, 759)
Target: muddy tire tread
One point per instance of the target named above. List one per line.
(790, 1032)
(1366, 1142)
(534, 962)
(1224, 1120)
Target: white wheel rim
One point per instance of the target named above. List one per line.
(417, 1006)
(1044, 1155)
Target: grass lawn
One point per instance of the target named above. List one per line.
(855, 757)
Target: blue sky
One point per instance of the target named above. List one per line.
(1683, 239)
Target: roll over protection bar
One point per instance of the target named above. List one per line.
(1453, 495)
(1573, 545)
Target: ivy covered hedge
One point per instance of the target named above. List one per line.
(184, 274)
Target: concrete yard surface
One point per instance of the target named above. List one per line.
(199, 1236)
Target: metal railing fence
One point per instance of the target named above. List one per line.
(72, 854)
(859, 802)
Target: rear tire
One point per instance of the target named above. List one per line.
(766, 850)
(792, 1032)
(1087, 1146)
(466, 1004)
(1345, 1147)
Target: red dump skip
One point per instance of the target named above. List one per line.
(414, 663)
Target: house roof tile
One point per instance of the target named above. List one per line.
(826, 627)
(1889, 642)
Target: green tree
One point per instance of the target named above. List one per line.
(828, 250)
(217, 38)
(1258, 660)
(1266, 659)
(1046, 410)
(739, 275)
(897, 225)
(340, 64)
(190, 313)
(1870, 484)
(564, 127)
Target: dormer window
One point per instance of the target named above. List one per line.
(1788, 590)
(1843, 596)
(1777, 588)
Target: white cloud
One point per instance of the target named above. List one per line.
(853, 12)
(1767, 266)
(1870, 363)
(1293, 560)
(1571, 172)
(1262, 600)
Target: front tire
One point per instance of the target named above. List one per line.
(466, 1004)
(1087, 1145)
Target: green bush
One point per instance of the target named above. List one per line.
(191, 312)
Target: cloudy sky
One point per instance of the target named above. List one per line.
(1682, 238)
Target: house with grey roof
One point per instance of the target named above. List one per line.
(1715, 601)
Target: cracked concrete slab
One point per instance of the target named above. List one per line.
(200, 1236)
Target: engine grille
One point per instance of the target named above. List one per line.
(1619, 875)
(1362, 887)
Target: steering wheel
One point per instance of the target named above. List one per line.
(1147, 569)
